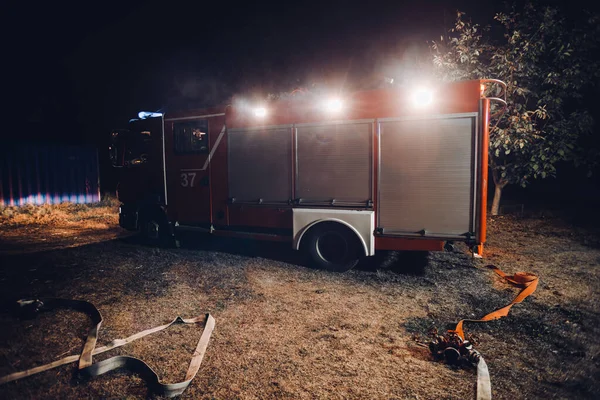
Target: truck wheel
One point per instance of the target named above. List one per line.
(333, 247)
(155, 229)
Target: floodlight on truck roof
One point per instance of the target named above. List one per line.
(333, 105)
(422, 97)
(259, 112)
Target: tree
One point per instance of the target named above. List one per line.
(548, 63)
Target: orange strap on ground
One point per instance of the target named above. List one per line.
(524, 280)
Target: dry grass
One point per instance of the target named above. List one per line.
(32, 228)
(287, 331)
(89, 215)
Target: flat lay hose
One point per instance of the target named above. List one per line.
(86, 368)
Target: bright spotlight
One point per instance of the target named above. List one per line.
(334, 105)
(148, 114)
(422, 97)
(260, 112)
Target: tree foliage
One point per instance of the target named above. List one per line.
(548, 62)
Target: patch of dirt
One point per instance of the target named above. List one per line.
(287, 331)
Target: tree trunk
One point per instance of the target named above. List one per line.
(497, 196)
(499, 184)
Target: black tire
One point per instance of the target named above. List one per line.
(155, 229)
(332, 246)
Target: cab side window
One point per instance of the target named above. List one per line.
(191, 137)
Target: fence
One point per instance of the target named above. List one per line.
(48, 174)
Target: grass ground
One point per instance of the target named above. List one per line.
(287, 331)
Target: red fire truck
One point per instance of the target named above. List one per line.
(337, 177)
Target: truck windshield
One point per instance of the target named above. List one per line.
(131, 147)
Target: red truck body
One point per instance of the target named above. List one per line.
(392, 174)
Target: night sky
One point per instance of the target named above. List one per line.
(73, 71)
(77, 70)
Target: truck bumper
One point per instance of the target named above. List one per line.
(128, 217)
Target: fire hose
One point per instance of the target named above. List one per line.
(453, 347)
(88, 369)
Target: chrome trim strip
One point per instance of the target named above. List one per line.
(194, 117)
(262, 127)
(434, 116)
(337, 122)
(164, 158)
(191, 228)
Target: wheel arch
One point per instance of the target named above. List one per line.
(300, 235)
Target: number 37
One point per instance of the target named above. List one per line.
(187, 179)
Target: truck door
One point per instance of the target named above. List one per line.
(188, 145)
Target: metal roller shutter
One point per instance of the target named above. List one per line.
(334, 162)
(260, 162)
(427, 169)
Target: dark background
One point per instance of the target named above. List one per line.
(75, 70)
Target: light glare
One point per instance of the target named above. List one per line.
(260, 112)
(334, 105)
(423, 97)
(148, 114)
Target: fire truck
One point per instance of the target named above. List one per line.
(338, 177)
